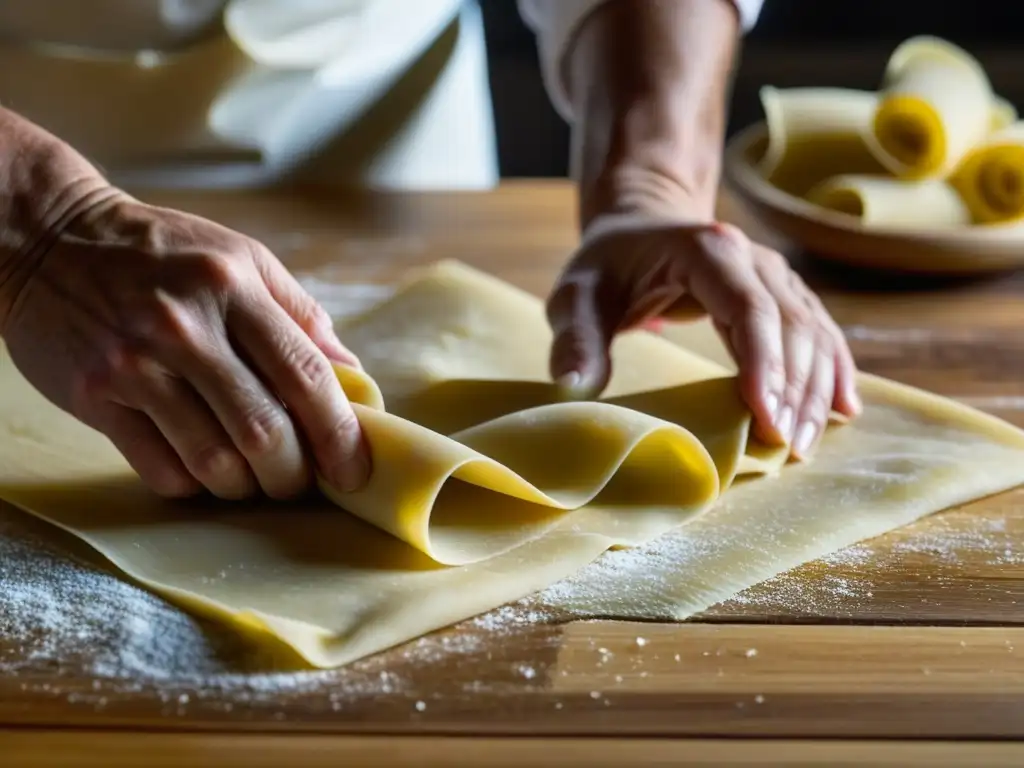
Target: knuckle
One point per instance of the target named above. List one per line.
(796, 390)
(263, 430)
(824, 344)
(172, 484)
(797, 313)
(216, 463)
(171, 324)
(817, 403)
(117, 360)
(112, 363)
(775, 261)
(757, 305)
(345, 437)
(318, 316)
(218, 272)
(311, 371)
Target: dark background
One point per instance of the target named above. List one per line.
(841, 43)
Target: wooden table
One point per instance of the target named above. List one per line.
(872, 656)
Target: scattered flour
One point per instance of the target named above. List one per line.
(65, 619)
(842, 581)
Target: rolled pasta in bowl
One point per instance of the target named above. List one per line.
(859, 232)
(815, 133)
(924, 176)
(936, 104)
(1004, 114)
(883, 202)
(991, 178)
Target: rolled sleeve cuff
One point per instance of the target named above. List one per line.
(555, 23)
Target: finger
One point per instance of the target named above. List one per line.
(799, 344)
(303, 378)
(847, 399)
(307, 313)
(583, 329)
(144, 448)
(817, 401)
(256, 421)
(191, 429)
(799, 328)
(727, 285)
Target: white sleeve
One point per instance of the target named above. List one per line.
(555, 23)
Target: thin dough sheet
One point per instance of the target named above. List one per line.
(487, 488)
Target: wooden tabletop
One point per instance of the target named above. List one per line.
(872, 656)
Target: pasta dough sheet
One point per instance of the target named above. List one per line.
(486, 488)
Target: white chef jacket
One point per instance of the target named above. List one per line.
(386, 94)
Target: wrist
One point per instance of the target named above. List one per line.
(648, 82)
(44, 185)
(660, 180)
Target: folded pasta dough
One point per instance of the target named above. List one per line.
(936, 104)
(991, 178)
(814, 134)
(886, 202)
(477, 462)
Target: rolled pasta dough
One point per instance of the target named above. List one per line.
(885, 202)
(991, 178)
(487, 488)
(936, 104)
(814, 134)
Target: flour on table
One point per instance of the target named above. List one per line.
(61, 617)
(641, 575)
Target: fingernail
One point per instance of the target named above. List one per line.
(569, 382)
(805, 438)
(771, 403)
(855, 401)
(785, 423)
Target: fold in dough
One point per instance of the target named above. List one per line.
(487, 489)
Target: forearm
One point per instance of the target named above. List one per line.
(43, 184)
(648, 81)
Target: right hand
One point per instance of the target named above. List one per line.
(191, 348)
(793, 361)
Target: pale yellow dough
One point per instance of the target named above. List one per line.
(814, 134)
(499, 489)
(881, 202)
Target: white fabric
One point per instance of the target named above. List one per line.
(555, 23)
(263, 97)
(227, 93)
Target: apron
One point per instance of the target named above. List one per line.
(384, 94)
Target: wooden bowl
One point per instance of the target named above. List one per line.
(843, 239)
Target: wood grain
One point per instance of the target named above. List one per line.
(912, 635)
(41, 749)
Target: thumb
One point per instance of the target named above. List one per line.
(583, 330)
(303, 309)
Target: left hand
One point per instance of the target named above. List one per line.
(794, 362)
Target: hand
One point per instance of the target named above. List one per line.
(191, 347)
(794, 363)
